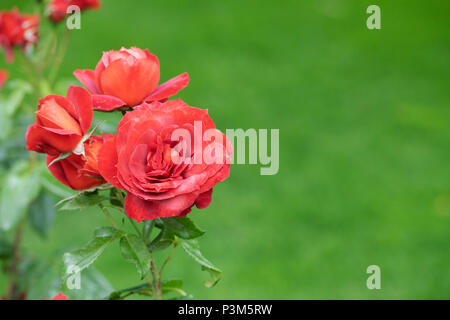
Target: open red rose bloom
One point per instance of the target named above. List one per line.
(140, 159)
(128, 77)
(17, 30)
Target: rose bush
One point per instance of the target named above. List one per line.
(128, 77)
(140, 160)
(61, 122)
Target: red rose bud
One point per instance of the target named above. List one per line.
(59, 296)
(61, 122)
(143, 160)
(3, 77)
(79, 172)
(57, 9)
(128, 77)
(17, 30)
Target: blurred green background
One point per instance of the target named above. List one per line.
(364, 142)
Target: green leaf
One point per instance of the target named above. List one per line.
(163, 240)
(61, 157)
(42, 213)
(38, 279)
(19, 188)
(173, 286)
(10, 105)
(183, 227)
(55, 187)
(82, 258)
(144, 289)
(82, 200)
(192, 249)
(93, 286)
(135, 251)
(5, 246)
(115, 196)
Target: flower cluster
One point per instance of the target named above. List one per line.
(57, 9)
(142, 158)
(17, 30)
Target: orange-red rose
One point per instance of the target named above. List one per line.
(128, 77)
(80, 172)
(140, 159)
(61, 122)
(57, 9)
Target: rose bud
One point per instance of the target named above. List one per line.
(143, 159)
(30, 26)
(3, 77)
(17, 30)
(61, 122)
(59, 296)
(57, 9)
(128, 77)
(79, 172)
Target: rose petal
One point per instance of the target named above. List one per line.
(87, 78)
(204, 199)
(139, 209)
(82, 102)
(130, 82)
(169, 88)
(107, 160)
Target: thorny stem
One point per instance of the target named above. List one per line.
(165, 263)
(156, 285)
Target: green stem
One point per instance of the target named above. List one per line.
(135, 226)
(60, 56)
(108, 216)
(156, 285)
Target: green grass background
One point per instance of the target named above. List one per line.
(364, 142)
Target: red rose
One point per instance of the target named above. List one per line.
(3, 77)
(17, 30)
(140, 159)
(57, 9)
(128, 77)
(61, 122)
(59, 296)
(79, 172)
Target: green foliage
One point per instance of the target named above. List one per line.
(169, 286)
(134, 250)
(19, 188)
(93, 286)
(81, 201)
(85, 256)
(193, 250)
(9, 106)
(39, 279)
(42, 213)
(163, 240)
(5, 246)
(182, 227)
